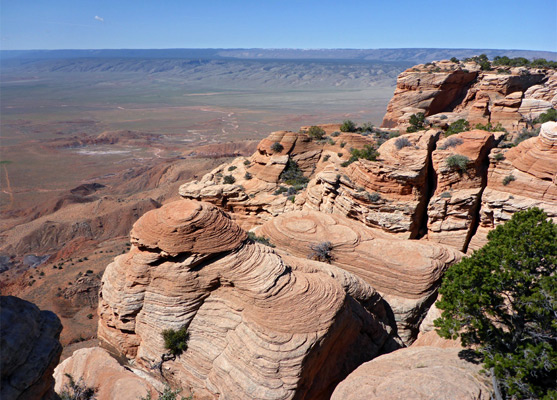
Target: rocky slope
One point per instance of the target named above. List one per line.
(260, 325)
(512, 97)
(29, 348)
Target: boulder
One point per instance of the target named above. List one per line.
(416, 373)
(30, 350)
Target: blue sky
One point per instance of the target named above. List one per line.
(100, 24)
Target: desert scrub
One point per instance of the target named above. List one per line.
(76, 390)
(176, 341)
(348, 126)
(259, 239)
(335, 134)
(228, 180)
(247, 176)
(321, 252)
(280, 190)
(367, 153)
(416, 123)
(168, 394)
(499, 157)
(232, 168)
(526, 134)
(508, 179)
(326, 157)
(293, 175)
(292, 198)
(316, 132)
(458, 126)
(457, 161)
(450, 142)
(247, 162)
(373, 197)
(277, 147)
(402, 142)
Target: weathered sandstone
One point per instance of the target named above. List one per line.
(260, 326)
(406, 273)
(29, 349)
(416, 373)
(94, 368)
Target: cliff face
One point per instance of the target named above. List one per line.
(30, 350)
(512, 97)
(261, 325)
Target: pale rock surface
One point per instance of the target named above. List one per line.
(95, 368)
(260, 326)
(406, 273)
(454, 205)
(417, 373)
(29, 350)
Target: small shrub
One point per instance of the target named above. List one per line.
(316, 132)
(366, 127)
(335, 134)
(168, 394)
(321, 252)
(291, 190)
(549, 115)
(259, 239)
(442, 117)
(280, 190)
(277, 147)
(232, 168)
(326, 157)
(373, 197)
(450, 142)
(345, 164)
(342, 144)
(457, 161)
(526, 134)
(76, 390)
(454, 60)
(340, 154)
(228, 180)
(458, 126)
(89, 316)
(247, 162)
(247, 176)
(292, 198)
(445, 195)
(176, 341)
(416, 122)
(499, 157)
(508, 179)
(293, 175)
(348, 126)
(402, 142)
(41, 273)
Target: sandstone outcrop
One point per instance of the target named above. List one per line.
(512, 97)
(453, 208)
(94, 368)
(29, 349)
(416, 373)
(260, 326)
(390, 193)
(406, 273)
(524, 176)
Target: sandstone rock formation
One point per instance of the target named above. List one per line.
(390, 193)
(453, 208)
(416, 373)
(260, 326)
(29, 349)
(525, 176)
(406, 273)
(512, 97)
(94, 368)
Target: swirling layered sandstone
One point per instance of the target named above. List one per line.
(405, 272)
(260, 326)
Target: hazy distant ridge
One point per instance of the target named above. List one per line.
(406, 55)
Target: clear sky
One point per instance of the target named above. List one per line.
(366, 24)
